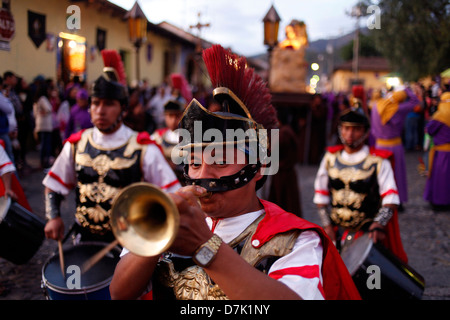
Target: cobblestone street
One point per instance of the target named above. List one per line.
(425, 235)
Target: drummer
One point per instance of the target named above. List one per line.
(100, 161)
(355, 188)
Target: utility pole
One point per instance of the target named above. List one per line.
(198, 49)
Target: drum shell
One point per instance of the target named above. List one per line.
(21, 233)
(95, 282)
(398, 281)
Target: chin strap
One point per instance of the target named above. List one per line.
(226, 183)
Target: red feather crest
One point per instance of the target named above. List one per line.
(231, 71)
(111, 58)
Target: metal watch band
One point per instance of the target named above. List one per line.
(214, 242)
(212, 245)
(383, 216)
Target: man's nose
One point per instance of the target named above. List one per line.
(206, 171)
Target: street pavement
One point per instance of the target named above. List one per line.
(425, 234)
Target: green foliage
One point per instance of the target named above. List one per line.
(414, 36)
(367, 48)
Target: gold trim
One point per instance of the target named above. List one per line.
(221, 90)
(255, 125)
(351, 124)
(389, 142)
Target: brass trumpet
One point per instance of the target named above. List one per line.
(144, 219)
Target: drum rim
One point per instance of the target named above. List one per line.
(83, 290)
(5, 204)
(363, 256)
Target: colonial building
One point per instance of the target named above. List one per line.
(60, 39)
(372, 73)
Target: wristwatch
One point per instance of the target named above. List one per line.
(206, 253)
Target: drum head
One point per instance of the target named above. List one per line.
(98, 276)
(356, 253)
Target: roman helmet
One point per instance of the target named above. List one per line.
(112, 83)
(246, 111)
(354, 116)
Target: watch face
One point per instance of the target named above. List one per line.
(204, 255)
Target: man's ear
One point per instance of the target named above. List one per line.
(259, 174)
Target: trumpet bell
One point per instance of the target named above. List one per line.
(144, 219)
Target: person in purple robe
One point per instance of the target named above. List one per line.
(437, 187)
(388, 119)
(80, 117)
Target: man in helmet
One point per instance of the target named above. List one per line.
(100, 161)
(231, 244)
(355, 189)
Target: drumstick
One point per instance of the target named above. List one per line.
(98, 256)
(61, 258)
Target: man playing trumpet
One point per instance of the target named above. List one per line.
(230, 244)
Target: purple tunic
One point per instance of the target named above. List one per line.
(393, 129)
(79, 119)
(437, 188)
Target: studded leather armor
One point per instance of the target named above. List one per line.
(354, 190)
(101, 174)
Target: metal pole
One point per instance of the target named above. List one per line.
(137, 46)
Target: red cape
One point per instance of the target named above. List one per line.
(17, 188)
(337, 282)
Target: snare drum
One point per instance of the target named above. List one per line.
(92, 285)
(397, 279)
(21, 232)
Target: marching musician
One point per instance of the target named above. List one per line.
(231, 244)
(355, 188)
(98, 162)
(168, 137)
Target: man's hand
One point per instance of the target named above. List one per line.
(193, 230)
(10, 193)
(376, 232)
(54, 229)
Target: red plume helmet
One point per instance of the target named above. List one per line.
(112, 84)
(228, 70)
(114, 66)
(246, 105)
(359, 97)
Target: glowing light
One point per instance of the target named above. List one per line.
(315, 66)
(392, 81)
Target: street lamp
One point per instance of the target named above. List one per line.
(271, 25)
(137, 28)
